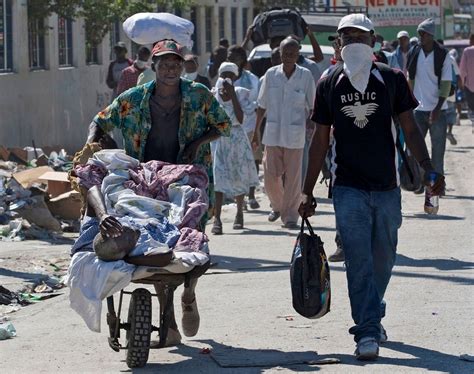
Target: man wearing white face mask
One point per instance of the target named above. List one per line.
(357, 99)
(129, 76)
(191, 71)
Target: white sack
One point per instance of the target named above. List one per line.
(148, 28)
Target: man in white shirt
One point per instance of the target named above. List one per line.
(430, 74)
(287, 96)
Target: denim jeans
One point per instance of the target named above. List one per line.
(437, 134)
(368, 222)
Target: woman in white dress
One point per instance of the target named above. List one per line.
(233, 161)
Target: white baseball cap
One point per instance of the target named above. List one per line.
(358, 20)
(402, 34)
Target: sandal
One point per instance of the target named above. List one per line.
(239, 221)
(217, 228)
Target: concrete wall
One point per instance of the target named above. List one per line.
(54, 106)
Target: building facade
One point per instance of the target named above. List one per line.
(51, 85)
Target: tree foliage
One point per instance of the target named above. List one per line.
(98, 15)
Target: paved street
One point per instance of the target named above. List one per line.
(245, 301)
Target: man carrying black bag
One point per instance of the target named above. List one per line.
(366, 192)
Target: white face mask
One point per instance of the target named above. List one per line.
(140, 64)
(190, 76)
(357, 59)
(377, 46)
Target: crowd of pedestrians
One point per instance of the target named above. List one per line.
(296, 120)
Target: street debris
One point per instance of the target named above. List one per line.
(7, 331)
(36, 201)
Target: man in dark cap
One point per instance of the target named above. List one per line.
(116, 66)
(172, 120)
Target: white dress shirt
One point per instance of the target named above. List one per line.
(426, 88)
(288, 103)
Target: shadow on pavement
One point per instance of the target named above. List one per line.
(239, 264)
(438, 217)
(423, 358)
(457, 197)
(196, 361)
(32, 277)
(437, 263)
(397, 273)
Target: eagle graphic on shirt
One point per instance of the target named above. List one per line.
(360, 112)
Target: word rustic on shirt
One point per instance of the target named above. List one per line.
(357, 96)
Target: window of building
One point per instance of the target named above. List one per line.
(193, 19)
(65, 41)
(92, 54)
(36, 44)
(114, 37)
(245, 21)
(233, 24)
(221, 22)
(6, 43)
(208, 19)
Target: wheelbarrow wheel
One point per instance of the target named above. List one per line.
(139, 328)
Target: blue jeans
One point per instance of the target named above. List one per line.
(437, 134)
(368, 222)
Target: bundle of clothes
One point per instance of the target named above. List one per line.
(163, 203)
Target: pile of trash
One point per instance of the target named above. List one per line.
(36, 201)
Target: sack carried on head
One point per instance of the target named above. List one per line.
(148, 28)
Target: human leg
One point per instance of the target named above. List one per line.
(191, 319)
(355, 222)
(239, 217)
(273, 172)
(438, 142)
(217, 226)
(292, 159)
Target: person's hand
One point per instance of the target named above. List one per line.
(229, 89)
(307, 207)
(434, 115)
(255, 141)
(190, 152)
(110, 227)
(309, 32)
(439, 183)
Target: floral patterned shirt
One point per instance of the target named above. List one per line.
(200, 111)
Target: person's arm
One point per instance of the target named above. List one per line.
(417, 146)
(317, 153)
(318, 54)
(463, 67)
(109, 226)
(110, 77)
(219, 125)
(248, 36)
(445, 86)
(105, 121)
(239, 114)
(260, 117)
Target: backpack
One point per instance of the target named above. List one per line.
(309, 275)
(439, 57)
(277, 22)
(387, 76)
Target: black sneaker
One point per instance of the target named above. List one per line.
(337, 256)
(273, 216)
